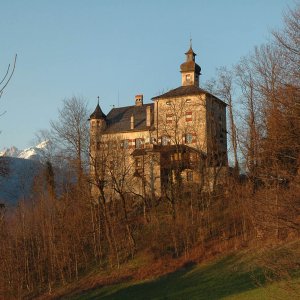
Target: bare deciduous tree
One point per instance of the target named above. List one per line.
(71, 132)
(8, 75)
(3, 83)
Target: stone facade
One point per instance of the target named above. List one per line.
(144, 148)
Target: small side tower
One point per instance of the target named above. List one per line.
(97, 126)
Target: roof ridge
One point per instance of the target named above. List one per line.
(188, 90)
(145, 104)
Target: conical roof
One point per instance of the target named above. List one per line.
(98, 113)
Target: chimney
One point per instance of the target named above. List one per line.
(132, 122)
(148, 116)
(138, 100)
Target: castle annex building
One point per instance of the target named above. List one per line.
(179, 139)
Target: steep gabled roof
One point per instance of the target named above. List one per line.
(118, 119)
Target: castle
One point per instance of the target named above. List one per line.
(148, 148)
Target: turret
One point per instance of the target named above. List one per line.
(97, 121)
(190, 71)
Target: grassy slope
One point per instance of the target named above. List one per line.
(232, 277)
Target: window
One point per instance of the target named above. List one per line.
(169, 118)
(165, 140)
(168, 103)
(193, 157)
(188, 138)
(177, 156)
(189, 176)
(188, 116)
(124, 144)
(188, 77)
(138, 163)
(188, 101)
(139, 143)
(153, 140)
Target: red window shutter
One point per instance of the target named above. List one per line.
(169, 118)
(188, 116)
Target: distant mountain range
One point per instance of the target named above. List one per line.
(19, 169)
(33, 153)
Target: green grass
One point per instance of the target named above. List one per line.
(232, 277)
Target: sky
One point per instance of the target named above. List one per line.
(115, 50)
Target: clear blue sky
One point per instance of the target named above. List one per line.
(106, 48)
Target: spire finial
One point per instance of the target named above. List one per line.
(98, 99)
(191, 40)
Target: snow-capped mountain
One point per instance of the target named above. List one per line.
(33, 153)
(22, 168)
(10, 152)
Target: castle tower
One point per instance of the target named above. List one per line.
(190, 71)
(97, 126)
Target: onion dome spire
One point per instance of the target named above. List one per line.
(190, 70)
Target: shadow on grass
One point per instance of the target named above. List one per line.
(226, 277)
